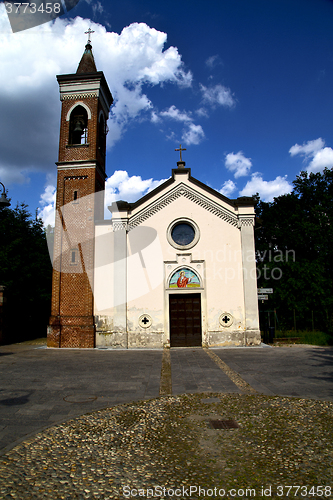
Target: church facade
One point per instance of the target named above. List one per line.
(175, 268)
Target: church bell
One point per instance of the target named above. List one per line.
(78, 124)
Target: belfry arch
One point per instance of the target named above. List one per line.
(78, 126)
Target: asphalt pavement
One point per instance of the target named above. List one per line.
(40, 387)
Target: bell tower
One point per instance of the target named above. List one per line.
(86, 100)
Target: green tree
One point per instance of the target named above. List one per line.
(295, 254)
(26, 273)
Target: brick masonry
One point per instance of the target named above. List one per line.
(81, 173)
(93, 150)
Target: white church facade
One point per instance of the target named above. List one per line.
(175, 268)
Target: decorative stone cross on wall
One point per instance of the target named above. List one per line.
(145, 321)
(226, 319)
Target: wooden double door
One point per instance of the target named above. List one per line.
(185, 320)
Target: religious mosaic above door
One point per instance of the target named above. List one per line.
(184, 278)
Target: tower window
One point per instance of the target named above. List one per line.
(75, 196)
(74, 256)
(78, 126)
(101, 134)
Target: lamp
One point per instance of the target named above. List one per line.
(4, 202)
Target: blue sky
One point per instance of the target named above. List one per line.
(245, 86)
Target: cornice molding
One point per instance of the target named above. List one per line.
(72, 97)
(246, 221)
(119, 226)
(194, 196)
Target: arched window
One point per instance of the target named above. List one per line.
(78, 126)
(184, 278)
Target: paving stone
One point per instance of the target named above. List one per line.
(29, 402)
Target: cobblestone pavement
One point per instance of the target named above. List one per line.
(155, 426)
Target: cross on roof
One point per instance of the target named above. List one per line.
(89, 33)
(180, 149)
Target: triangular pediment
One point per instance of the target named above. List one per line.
(176, 174)
(189, 188)
(183, 185)
(183, 190)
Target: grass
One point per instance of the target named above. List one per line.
(313, 337)
(189, 285)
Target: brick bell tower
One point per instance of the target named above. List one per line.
(86, 100)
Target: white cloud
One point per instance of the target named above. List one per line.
(217, 95)
(97, 8)
(321, 160)
(309, 148)
(47, 202)
(155, 118)
(322, 157)
(174, 114)
(28, 88)
(268, 190)
(202, 112)
(172, 136)
(120, 186)
(193, 135)
(228, 188)
(213, 61)
(238, 163)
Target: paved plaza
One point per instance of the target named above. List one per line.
(40, 387)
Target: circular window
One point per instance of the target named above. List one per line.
(183, 234)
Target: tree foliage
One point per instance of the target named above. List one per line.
(26, 273)
(295, 253)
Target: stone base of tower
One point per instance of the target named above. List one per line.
(71, 332)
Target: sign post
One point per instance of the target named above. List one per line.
(262, 297)
(265, 290)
